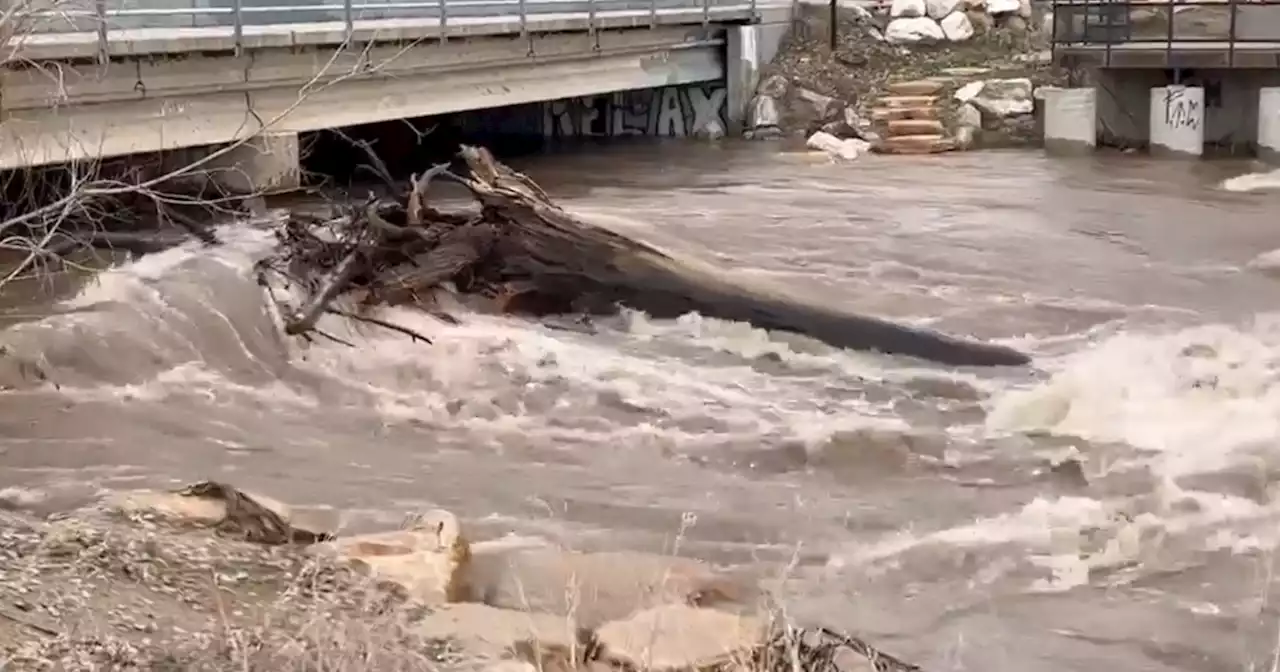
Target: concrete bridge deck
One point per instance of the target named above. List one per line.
(78, 95)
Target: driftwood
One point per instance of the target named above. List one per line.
(526, 255)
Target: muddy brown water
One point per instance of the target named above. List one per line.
(915, 504)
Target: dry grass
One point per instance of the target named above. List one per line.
(92, 592)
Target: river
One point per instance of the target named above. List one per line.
(1112, 508)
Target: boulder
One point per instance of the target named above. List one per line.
(679, 637)
(965, 137)
(957, 27)
(774, 86)
(596, 587)
(914, 31)
(1001, 98)
(968, 116)
(907, 9)
(425, 562)
(999, 7)
(847, 149)
(981, 21)
(1024, 9)
(764, 113)
(484, 631)
(937, 9)
(850, 126)
(1016, 25)
(968, 92)
(205, 504)
(824, 107)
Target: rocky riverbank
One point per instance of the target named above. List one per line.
(211, 578)
(963, 74)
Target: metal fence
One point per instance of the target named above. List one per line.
(106, 16)
(1172, 25)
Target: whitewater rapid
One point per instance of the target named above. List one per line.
(1120, 480)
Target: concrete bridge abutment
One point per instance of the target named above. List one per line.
(1269, 124)
(748, 49)
(263, 163)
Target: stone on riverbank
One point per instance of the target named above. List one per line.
(424, 561)
(595, 588)
(211, 504)
(97, 592)
(957, 27)
(846, 149)
(679, 637)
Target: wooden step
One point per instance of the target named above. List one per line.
(897, 102)
(915, 144)
(919, 87)
(915, 127)
(890, 114)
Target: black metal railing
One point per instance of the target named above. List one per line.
(1201, 25)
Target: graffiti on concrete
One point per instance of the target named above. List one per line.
(1181, 110)
(674, 111)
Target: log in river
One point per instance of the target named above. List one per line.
(528, 256)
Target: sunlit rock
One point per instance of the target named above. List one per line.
(913, 31)
(1001, 98)
(937, 9)
(847, 149)
(907, 9)
(426, 561)
(821, 106)
(480, 629)
(957, 27)
(679, 637)
(598, 587)
(210, 504)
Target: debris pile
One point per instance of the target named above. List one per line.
(521, 253)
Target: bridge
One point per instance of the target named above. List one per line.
(1176, 76)
(121, 77)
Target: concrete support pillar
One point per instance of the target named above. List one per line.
(1177, 121)
(268, 162)
(748, 50)
(741, 73)
(1269, 124)
(1070, 120)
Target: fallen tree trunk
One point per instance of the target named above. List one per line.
(531, 256)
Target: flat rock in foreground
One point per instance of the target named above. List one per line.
(680, 637)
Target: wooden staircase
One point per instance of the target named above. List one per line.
(910, 119)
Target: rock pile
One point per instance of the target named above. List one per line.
(515, 604)
(934, 21)
(845, 93)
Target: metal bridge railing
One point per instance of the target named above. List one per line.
(108, 17)
(1226, 25)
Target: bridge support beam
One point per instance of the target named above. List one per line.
(748, 50)
(268, 162)
(1177, 121)
(1070, 120)
(1269, 124)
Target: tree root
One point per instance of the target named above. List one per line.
(526, 255)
